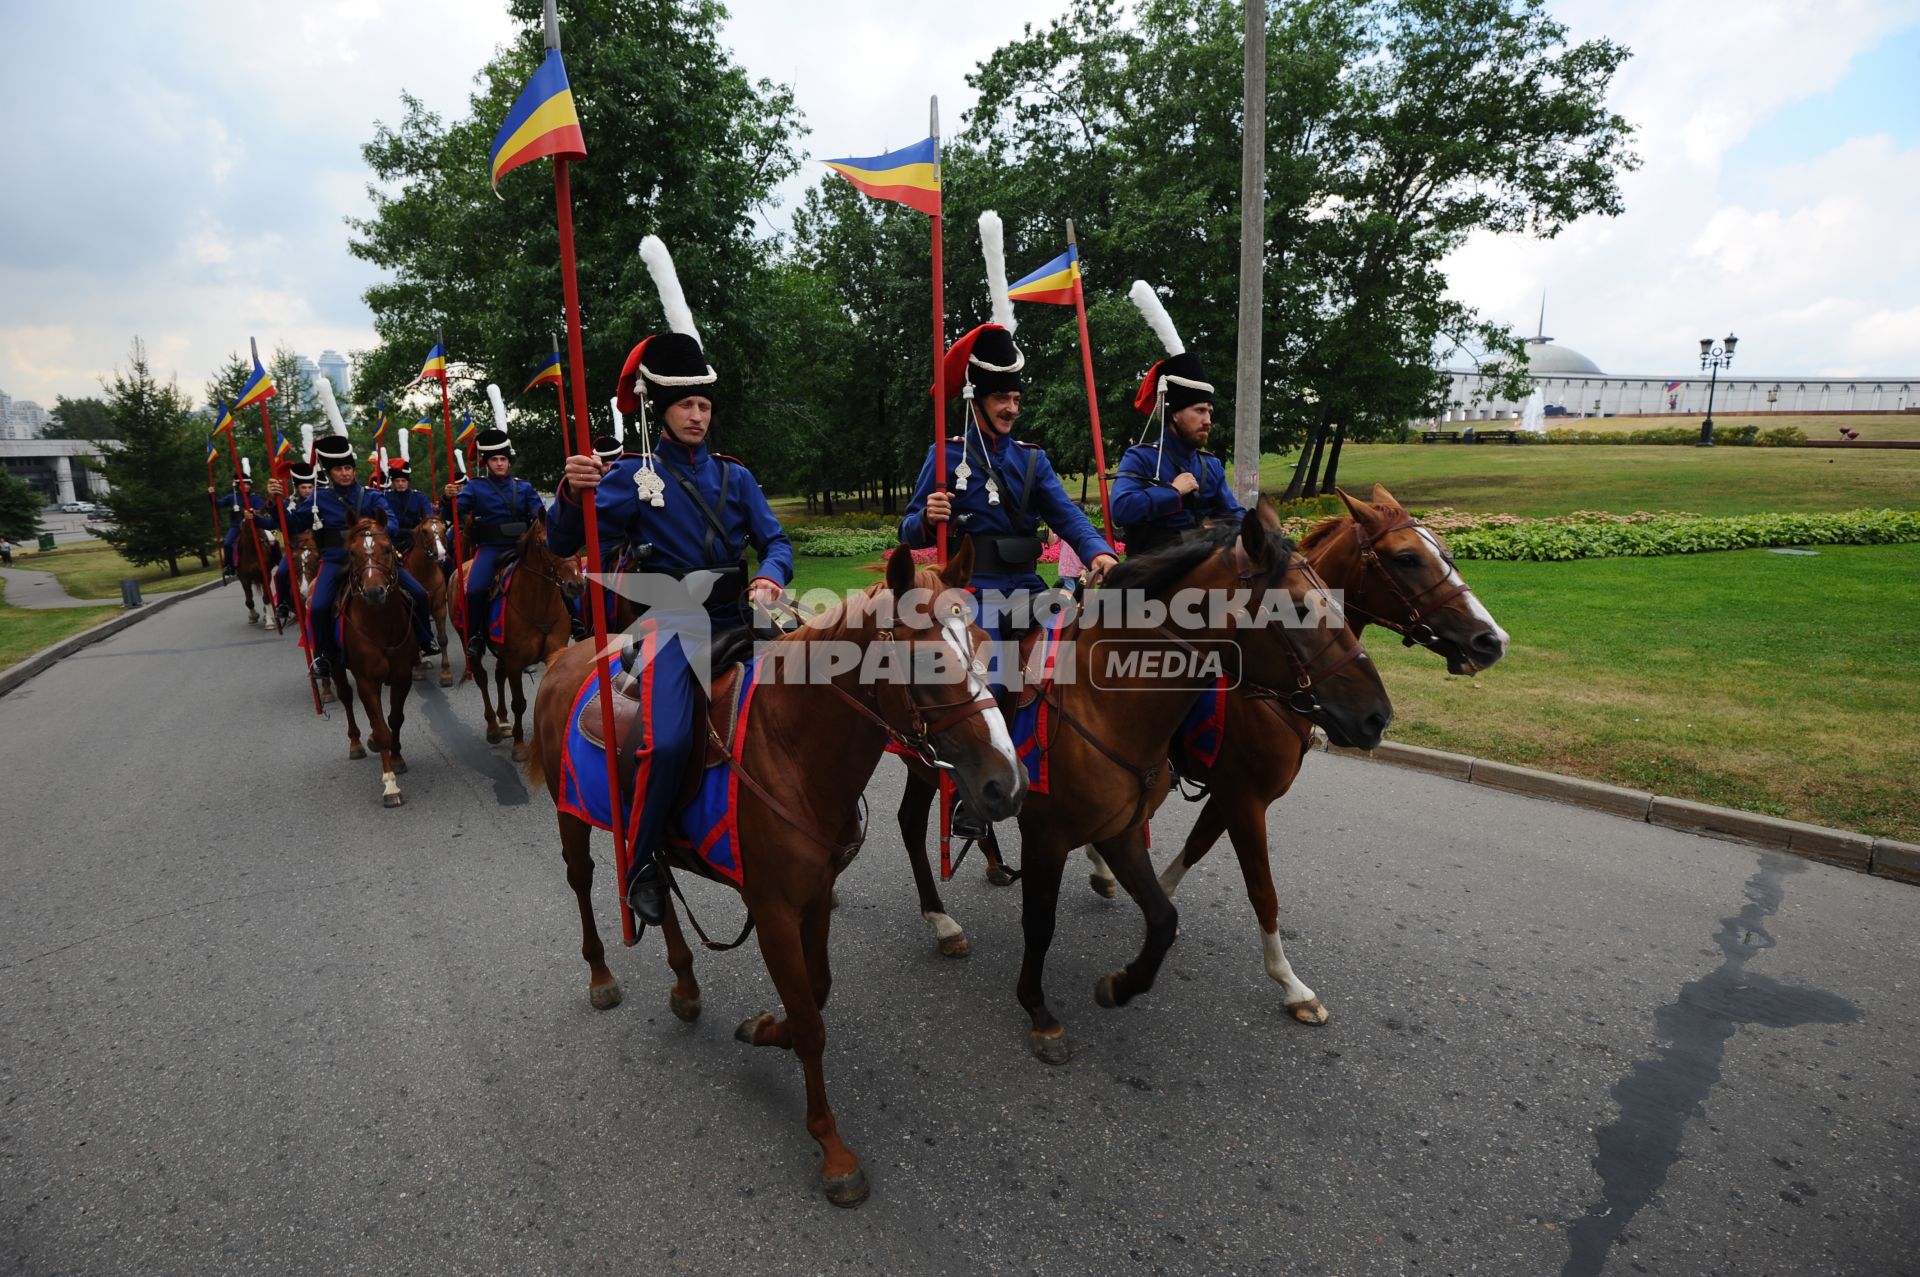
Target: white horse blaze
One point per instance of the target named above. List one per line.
(955, 631)
(1475, 607)
(1281, 970)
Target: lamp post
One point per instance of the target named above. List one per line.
(1715, 358)
(1772, 397)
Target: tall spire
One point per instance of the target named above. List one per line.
(1540, 337)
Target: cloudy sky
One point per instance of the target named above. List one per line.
(173, 182)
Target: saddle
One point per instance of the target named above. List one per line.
(719, 709)
(503, 572)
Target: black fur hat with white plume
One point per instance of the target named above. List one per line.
(1178, 381)
(986, 361)
(670, 366)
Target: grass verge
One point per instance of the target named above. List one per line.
(94, 570)
(24, 631)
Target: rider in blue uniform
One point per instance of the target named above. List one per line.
(683, 510)
(409, 504)
(1173, 484)
(297, 516)
(999, 490)
(500, 508)
(230, 506)
(339, 504)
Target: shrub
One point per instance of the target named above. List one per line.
(1783, 437)
(839, 542)
(1589, 536)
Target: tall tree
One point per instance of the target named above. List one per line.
(82, 418)
(681, 143)
(157, 466)
(19, 509)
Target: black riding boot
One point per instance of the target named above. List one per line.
(648, 895)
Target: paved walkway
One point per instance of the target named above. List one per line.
(40, 590)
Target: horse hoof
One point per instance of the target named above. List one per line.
(1312, 1011)
(1102, 887)
(446, 678)
(1106, 991)
(750, 1026)
(399, 765)
(356, 751)
(393, 800)
(955, 946)
(1051, 1048)
(1000, 876)
(605, 997)
(519, 753)
(847, 1190)
(495, 736)
(687, 1010)
(420, 674)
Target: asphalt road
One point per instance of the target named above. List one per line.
(253, 1022)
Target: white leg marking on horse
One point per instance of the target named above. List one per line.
(1281, 970)
(389, 785)
(944, 928)
(1170, 876)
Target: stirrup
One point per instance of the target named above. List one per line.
(321, 667)
(963, 823)
(476, 645)
(647, 897)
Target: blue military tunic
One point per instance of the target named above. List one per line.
(409, 508)
(332, 513)
(1146, 506)
(297, 518)
(229, 507)
(491, 503)
(683, 538)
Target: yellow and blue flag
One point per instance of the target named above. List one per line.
(380, 427)
(910, 175)
(213, 450)
(1055, 282)
(466, 435)
(259, 387)
(224, 426)
(436, 365)
(549, 373)
(422, 427)
(543, 121)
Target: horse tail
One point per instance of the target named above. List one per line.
(536, 774)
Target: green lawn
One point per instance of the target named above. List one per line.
(1540, 479)
(1775, 683)
(24, 631)
(1875, 425)
(94, 570)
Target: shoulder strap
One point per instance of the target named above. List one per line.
(714, 525)
(1026, 487)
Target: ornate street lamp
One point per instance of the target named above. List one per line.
(1773, 397)
(1715, 358)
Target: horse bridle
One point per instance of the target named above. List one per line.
(1301, 699)
(356, 588)
(1414, 629)
(918, 740)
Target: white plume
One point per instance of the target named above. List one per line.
(1157, 317)
(993, 247)
(405, 433)
(306, 441)
(460, 460)
(499, 407)
(672, 300)
(327, 405)
(619, 422)
(246, 466)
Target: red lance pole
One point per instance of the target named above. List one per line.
(1093, 400)
(245, 511)
(286, 549)
(446, 412)
(940, 451)
(582, 445)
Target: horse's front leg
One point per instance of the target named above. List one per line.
(805, 1031)
(1207, 828)
(397, 694)
(446, 658)
(519, 679)
(915, 803)
(1247, 827)
(477, 671)
(1126, 854)
(576, 836)
(390, 795)
(1044, 862)
(343, 692)
(684, 998)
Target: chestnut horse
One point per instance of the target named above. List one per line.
(809, 750)
(253, 576)
(424, 557)
(379, 648)
(537, 626)
(1392, 572)
(306, 566)
(1107, 752)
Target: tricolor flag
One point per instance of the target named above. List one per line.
(468, 433)
(1675, 385)
(542, 122)
(224, 426)
(910, 175)
(259, 387)
(550, 373)
(1053, 282)
(213, 450)
(422, 427)
(436, 365)
(285, 449)
(380, 430)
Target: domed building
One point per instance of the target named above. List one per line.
(1575, 386)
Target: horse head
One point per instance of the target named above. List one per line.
(1411, 586)
(431, 532)
(373, 568)
(1303, 652)
(566, 573)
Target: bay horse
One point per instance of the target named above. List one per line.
(538, 625)
(424, 559)
(305, 567)
(253, 575)
(809, 750)
(1107, 752)
(379, 649)
(1394, 573)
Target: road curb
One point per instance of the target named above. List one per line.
(47, 657)
(1845, 848)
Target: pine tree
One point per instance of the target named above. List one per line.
(157, 468)
(19, 509)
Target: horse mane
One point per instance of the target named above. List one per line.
(832, 623)
(1171, 564)
(1325, 530)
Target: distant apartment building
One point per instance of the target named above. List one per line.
(334, 365)
(21, 418)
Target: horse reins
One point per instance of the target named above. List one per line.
(1414, 629)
